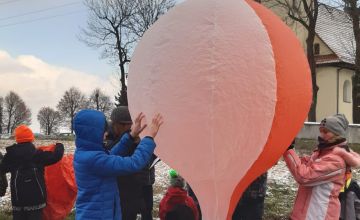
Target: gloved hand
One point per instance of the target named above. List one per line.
(60, 145)
(292, 145)
(346, 147)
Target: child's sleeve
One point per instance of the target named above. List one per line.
(323, 170)
(3, 179)
(304, 159)
(112, 165)
(47, 158)
(352, 158)
(123, 145)
(5, 164)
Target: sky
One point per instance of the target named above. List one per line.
(41, 56)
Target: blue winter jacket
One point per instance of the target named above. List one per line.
(96, 169)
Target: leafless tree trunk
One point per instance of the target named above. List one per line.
(71, 102)
(304, 12)
(353, 10)
(16, 112)
(108, 29)
(99, 101)
(49, 120)
(10, 101)
(22, 116)
(1, 114)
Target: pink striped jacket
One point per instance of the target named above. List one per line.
(320, 177)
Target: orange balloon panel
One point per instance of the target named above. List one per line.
(293, 94)
(60, 187)
(209, 67)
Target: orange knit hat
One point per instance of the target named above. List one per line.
(23, 134)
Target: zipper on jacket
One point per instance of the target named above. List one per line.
(114, 212)
(36, 177)
(16, 194)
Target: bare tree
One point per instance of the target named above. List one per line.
(99, 101)
(1, 114)
(49, 120)
(72, 101)
(10, 101)
(15, 112)
(305, 12)
(116, 25)
(147, 13)
(108, 29)
(22, 116)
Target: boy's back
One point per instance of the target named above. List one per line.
(26, 165)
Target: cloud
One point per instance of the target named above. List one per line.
(41, 84)
(8, 65)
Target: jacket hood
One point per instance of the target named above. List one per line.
(350, 157)
(89, 126)
(177, 192)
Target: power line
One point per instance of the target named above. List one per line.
(8, 2)
(41, 19)
(38, 11)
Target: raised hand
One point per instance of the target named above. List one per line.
(137, 127)
(153, 129)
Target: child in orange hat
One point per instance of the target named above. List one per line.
(26, 165)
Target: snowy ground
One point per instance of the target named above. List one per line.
(280, 194)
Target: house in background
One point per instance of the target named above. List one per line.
(335, 55)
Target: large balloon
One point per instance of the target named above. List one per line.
(234, 87)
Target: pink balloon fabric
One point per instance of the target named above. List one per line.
(208, 66)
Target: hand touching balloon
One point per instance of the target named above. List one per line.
(153, 129)
(137, 127)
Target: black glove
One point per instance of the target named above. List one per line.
(59, 145)
(346, 147)
(292, 145)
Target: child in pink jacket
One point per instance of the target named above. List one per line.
(322, 175)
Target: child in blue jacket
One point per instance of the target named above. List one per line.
(96, 169)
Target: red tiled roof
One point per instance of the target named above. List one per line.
(331, 58)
